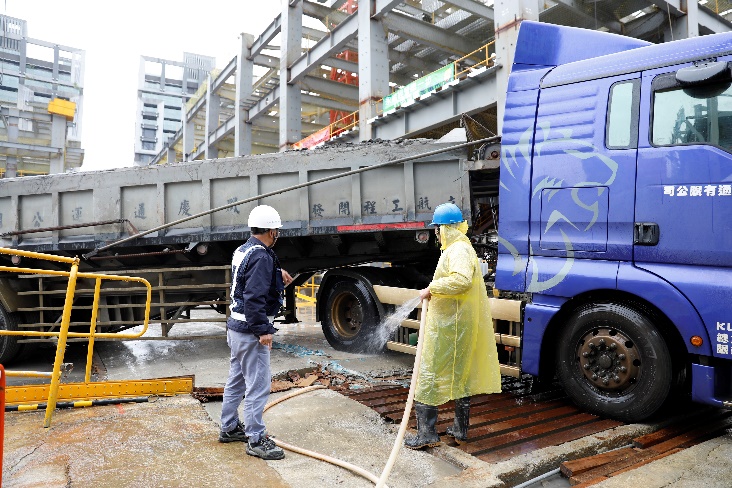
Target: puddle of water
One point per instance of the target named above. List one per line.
(389, 325)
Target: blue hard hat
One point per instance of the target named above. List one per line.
(447, 213)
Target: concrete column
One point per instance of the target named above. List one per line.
(290, 99)
(244, 81)
(508, 17)
(58, 139)
(373, 68)
(188, 134)
(212, 119)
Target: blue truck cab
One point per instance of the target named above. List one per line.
(616, 222)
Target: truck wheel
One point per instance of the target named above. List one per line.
(613, 361)
(9, 346)
(351, 318)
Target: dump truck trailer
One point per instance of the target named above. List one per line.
(603, 218)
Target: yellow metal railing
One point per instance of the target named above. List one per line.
(64, 333)
(308, 292)
(482, 53)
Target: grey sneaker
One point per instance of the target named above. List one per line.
(265, 449)
(235, 435)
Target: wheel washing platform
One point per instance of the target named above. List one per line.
(173, 441)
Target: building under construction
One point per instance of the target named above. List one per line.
(41, 101)
(391, 69)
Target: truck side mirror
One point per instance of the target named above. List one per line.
(703, 72)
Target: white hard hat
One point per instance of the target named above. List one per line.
(264, 217)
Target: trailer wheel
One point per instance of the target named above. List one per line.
(613, 361)
(9, 346)
(351, 318)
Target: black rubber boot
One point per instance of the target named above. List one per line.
(426, 431)
(459, 429)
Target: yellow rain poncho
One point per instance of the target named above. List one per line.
(459, 357)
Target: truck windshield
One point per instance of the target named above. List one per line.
(694, 115)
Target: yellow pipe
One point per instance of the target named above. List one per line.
(29, 374)
(92, 330)
(36, 255)
(61, 347)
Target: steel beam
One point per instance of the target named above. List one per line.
(472, 95)
(429, 35)
(324, 49)
(706, 18)
(266, 37)
(321, 12)
(509, 15)
(290, 100)
(244, 81)
(213, 105)
(329, 104)
(339, 91)
(382, 7)
(373, 66)
(473, 7)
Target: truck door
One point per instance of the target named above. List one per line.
(683, 214)
(583, 184)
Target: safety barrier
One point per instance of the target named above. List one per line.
(64, 333)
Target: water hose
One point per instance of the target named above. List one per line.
(410, 400)
(381, 481)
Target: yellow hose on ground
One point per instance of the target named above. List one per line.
(380, 482)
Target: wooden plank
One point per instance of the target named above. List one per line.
(577, 466)
(399, 347)
(647, 461)
(410, 324)
(374, 389)
(666, 433)
(512, 371)
(503, 309)
(612, 467)
(577, 429)
(692, 436)
(484, 436)
(508, 340)
(394, 295)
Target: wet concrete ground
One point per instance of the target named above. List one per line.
(173, 442)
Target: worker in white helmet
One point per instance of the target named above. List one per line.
(257, 286)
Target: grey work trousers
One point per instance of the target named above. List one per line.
(250, 377)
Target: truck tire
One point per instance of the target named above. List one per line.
(613, 361)
(9, 346)
(351, 318)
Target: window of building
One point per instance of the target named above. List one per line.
(693, 115)
(622, 115)
(148, 134)
(148, 146)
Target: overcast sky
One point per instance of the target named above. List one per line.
(115, 34)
